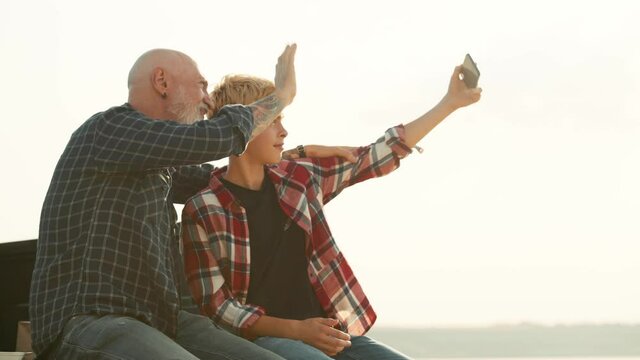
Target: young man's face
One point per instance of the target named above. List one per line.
(267, 147)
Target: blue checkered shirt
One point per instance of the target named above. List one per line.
(108, 238)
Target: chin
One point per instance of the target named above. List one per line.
(274, 159)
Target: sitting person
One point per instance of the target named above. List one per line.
(259, 257)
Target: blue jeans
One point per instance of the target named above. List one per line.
(117, 337)
(361, 348)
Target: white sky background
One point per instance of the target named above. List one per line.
(523, 207)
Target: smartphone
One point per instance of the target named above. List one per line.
(470, 72)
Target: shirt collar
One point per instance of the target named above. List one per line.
(226, 198)
(219, 190)
(277, 176)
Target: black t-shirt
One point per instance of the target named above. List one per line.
(279, 265)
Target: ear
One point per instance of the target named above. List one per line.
(159, 81)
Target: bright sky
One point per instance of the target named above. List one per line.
(523, 207)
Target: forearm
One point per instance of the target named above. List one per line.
(126, 140)
(188, 180)
(420, 127)
(458, 96)
(268, 108)
(334, 174)
(272, 326)
(265, 111)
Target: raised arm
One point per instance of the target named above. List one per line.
(127, 140)
(457, 96)
(268, 108)
(333, 174)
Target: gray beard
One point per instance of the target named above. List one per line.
(184, 112)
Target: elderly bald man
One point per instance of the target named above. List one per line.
(108, 279)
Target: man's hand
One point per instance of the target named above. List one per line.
(265, 110)
(458, 94)
(321, 151)
(321, 334)
(285, 79)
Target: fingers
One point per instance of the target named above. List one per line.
(333, 346)
(328, 321)
(288, 55)
(285, 78)
(331, 331)
(335, 337)
(457, 72)
(339, 335)
(292, 51)
(328, 339)
(290, 154)
(475, 94)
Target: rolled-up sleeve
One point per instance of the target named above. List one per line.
(334, 174)
(206, 280)
(126, 140)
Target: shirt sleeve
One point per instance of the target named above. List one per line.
(333, 174)
(126, 140)
(188, 180)
(207, 283)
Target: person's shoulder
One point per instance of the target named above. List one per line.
(118, 112)
(118, 109)
(205, 202)
(203, 198)
(100, 117)
(213, 195)
(112, 111)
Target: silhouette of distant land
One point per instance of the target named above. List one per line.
(526, 340)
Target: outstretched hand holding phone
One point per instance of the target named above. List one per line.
(458, 95)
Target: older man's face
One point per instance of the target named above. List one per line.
(190, 100)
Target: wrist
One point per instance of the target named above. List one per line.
(301, 152)
(283, 97)
(447, 105)
(293, 329)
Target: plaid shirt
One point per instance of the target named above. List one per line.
(216, 240)
(107, 229)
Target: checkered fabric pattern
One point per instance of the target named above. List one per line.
(108, 239)
(215, 235)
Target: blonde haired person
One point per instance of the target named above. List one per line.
(259, 256)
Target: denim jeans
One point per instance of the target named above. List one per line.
(117, 337)
(361, 348)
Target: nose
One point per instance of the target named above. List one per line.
(283, 132)
(207, 101)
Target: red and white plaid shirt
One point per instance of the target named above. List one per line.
(215, 235)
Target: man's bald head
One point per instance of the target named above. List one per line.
(166, 84)
(169, 60)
